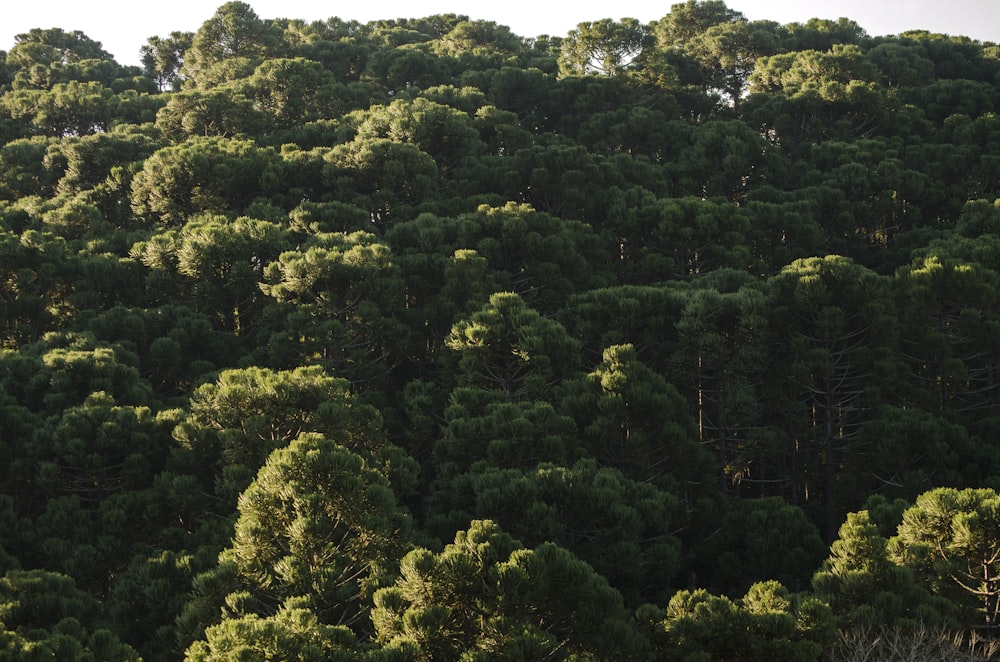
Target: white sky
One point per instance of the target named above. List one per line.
(124, 26)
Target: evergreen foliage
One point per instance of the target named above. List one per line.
(647, 319)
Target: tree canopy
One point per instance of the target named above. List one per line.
(419, 339)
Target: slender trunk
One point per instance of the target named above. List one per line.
(989, 600)
(831, 470)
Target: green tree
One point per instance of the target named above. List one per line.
(236, 422)
(634, 130)
(624, 529)
(767, 623)
(865, 587)
(292, 633)
(696, 236)
(833, 329)
(292, 91)
(720, 354)
(949, 306)
(382, 176)
(645, 317)
(631, 419)
(727, 53)
(783, 228)
(94, 450)
(903, 452)
(560, 179)
(149, 594)
(24, 170)
(317, 529)
(176, 347)
(444, 133)
(758, 540)
(478, 44)
(901, 66)
(725, 159)
(825, 72)
(486, 597)
(483, 428)
(605, 47)
(64, 369)
(394, 70)
(342, 46)
(233, 33)
(163, 57)
(220, 262)
(337, 298)
(214, 175)
(689, 19)
(810, 96)
(225, 112)
(54, 44)
(89, 160)
(461, 260)
(820, 34)
(510, 348)
(43, 614)
(28, 288)
(69, 109)
(951, 539)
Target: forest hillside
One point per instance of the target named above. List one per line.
(419, 339)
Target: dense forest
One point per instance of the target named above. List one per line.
(418, 339)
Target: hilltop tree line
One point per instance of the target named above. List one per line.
(418, 339)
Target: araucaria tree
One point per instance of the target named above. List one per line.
(419, 339)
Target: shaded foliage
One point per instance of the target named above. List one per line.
(642, 317)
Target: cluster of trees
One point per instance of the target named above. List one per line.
(421, 340)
